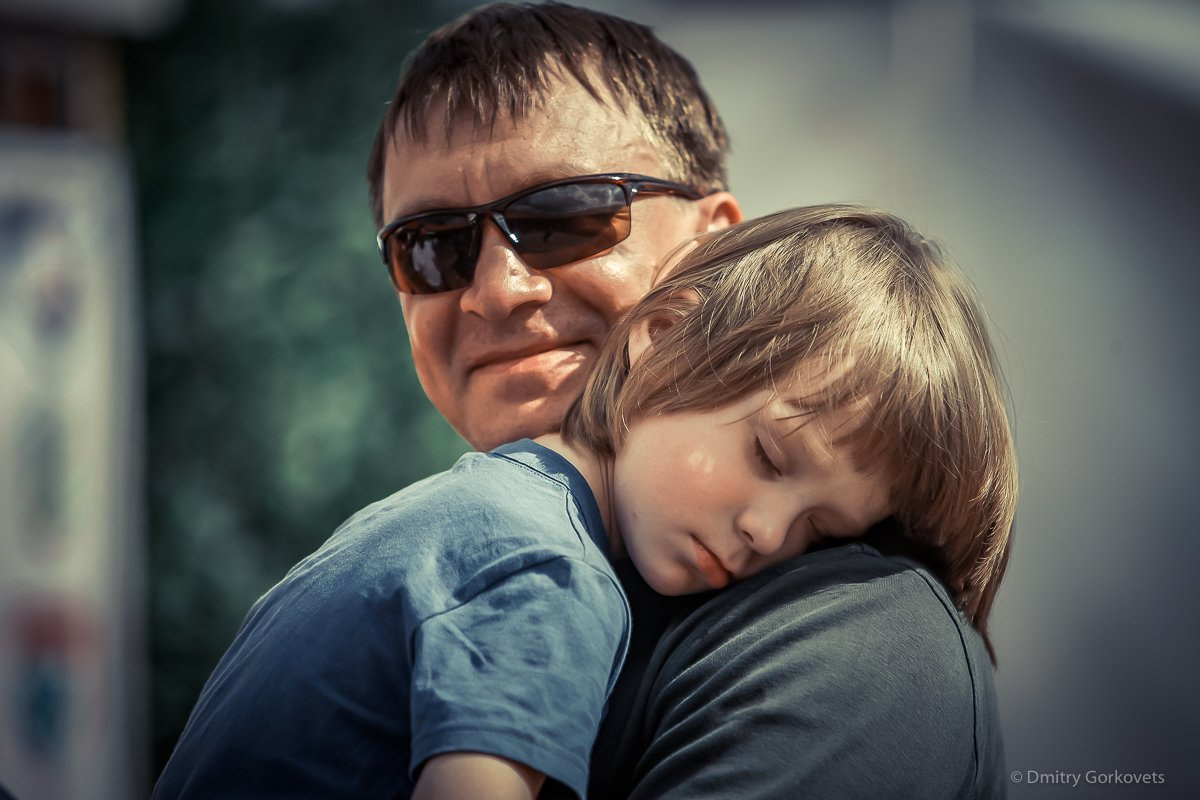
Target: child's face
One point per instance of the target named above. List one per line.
(710, 497)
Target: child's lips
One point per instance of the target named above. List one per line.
(710, 566)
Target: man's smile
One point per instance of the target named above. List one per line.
(532, 371)
(532, 357)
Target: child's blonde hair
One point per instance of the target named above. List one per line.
(860, 295)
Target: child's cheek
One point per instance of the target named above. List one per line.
(700, 464)
(697, 470)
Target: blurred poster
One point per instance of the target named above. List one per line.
(71, 658)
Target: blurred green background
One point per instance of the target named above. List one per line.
(281, 394)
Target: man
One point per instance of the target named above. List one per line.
(764, 690)
(535, 167)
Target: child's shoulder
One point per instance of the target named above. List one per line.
(487, 504)
(448, 535)
(479, 486)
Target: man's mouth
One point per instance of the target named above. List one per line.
(540, 358)
(507, 359)
(532, 372)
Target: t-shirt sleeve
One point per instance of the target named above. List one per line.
(522, 669)
(853, 689)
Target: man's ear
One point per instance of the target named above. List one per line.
(645, 332)
(717, 210)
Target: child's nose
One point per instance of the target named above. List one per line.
(765, 530)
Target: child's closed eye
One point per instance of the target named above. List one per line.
(764, 457)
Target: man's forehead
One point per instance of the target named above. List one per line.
(446, 128)
(571, 133)
(467, 110)
(476, 170)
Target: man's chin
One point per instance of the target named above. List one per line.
(518, 404)
(500, 422)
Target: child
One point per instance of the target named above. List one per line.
(792, 381)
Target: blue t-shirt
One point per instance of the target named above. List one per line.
(473, 611)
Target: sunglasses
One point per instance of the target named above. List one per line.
(548, 225)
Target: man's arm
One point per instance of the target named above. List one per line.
(452, 776)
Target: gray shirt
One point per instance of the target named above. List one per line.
(844, 673)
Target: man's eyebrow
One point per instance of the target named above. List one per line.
(423, 205)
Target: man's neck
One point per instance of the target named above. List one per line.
(597, 470)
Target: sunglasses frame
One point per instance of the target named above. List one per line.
(632, 184)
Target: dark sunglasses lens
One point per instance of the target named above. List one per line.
(433, 254)
(561, 224)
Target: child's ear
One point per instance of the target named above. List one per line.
(645, 332)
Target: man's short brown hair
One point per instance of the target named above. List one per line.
(500, 62)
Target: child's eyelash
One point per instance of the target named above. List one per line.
(761, 453)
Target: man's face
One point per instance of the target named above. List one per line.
(504, 357)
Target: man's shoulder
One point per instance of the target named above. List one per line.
(842, 656)
(836, 580)
(844, 606)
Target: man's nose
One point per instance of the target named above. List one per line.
(503, 282)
